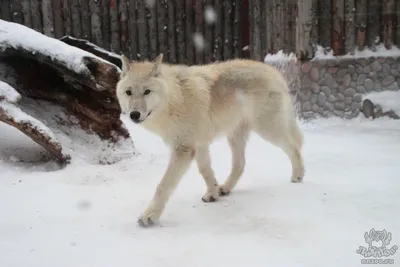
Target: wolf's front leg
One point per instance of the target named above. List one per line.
(204, 165)
(181, 157)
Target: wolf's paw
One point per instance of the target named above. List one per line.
(210, 196)
(224, 190)
(297, 179)
(150, 216)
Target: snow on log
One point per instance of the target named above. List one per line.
(36, 130)
(83, 84)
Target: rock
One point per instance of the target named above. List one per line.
(388, 80)
(348, 100)
(328, 106)
(315, 74)
(339, 113)
(305, 96)
(315, 88)
(306, 67)
(377, 86)
(340, 96)
(360, 89)
(362, 61)
(326, 90)
(342, 72)
(376, 66)
(339, 105)
(369, 84)
(386, 68)
(354, 76)
(394, 72)
(351, 69)
(332, 70)
(349, 92)
(394, 87)
(315, 108)
(306, 106)
(346, 80)
(331, 98)
(361, 79)
(357, 98)
(355, 106)
(372, 75)
(314, 99)
(359, 69)
(367, 69)
(321, 99)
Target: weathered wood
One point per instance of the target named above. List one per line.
(16, 9)
(338, 27)
(36, 16)
(132, 27)
(388, 22)
(218, 39)
(263, 28)
(106, 24)
(123, 26)
(48, 19)
(361, 23)
(152, 30)
(255, 20)
(325, 24)
(162, 27)
(350, 26)
(76, 18)
(172, 58)
(26, 12)
(228, 38)
(269, 27)
(373, 23)
(200, 47)
(95, 22)
(189, 31)
(237, 25)
(304, 49)
(180, 31)
(5, 9)
(85, 18)
(142, 30)
(278, 24)
(115, 31)
(314, 37)
(397, 3)
(58, 19)
(67, 17)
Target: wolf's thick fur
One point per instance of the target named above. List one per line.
(188, 107)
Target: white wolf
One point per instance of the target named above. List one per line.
(189, 106)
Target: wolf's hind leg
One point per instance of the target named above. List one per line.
(237, 142)
(204, 165)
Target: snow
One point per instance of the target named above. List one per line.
(85, 214)
(198, 40)
(9, 93)
(388, 100)
(210, 16)
(16, 35)
(280, 56)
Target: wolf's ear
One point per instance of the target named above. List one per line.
(126, 64)
(156, 71)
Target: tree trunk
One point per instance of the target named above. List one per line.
(48, 19)
(325, 24)
(16, 9)
(76, 18)
(304, 49)
(338, 27)
(373, 23)
(361, 23)
(388, 22)
(26, 12)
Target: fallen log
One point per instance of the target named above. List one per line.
(41, 68)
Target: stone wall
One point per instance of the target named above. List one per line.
(335, 87)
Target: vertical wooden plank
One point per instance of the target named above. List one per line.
(314, 37)
(361, 23)
(287, 26)
(95, 22)
(304, 19)
(278, 24)
(162, 26)
(76, 18)
(67, 16)
(325, 24)
(16, 11)
(152, 30)
(5, 10)
(263, 29)
(237, 25)
(269, 27)
(85, 20)
(58, 19)
(133, 36)
(388, 22)
(350, 26)
(47, 18)
(218, 40)
(373, 23)
(180, 31)
(397, 23)
(36, 16)
(105, 24)
(227, 6)
(123, 26)
(26, 12)
(171, 32)
(142, 30)
(200, 46)
(115, 41)
(338, 27)
(255, 41)
(189, 31)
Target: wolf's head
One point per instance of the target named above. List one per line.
(141, 89)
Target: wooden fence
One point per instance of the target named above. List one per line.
(184, 30)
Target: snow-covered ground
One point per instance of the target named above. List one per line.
(85, 215)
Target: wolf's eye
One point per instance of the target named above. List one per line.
(147, 92)
(128, 92)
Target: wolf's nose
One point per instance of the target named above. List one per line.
(135, 115)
